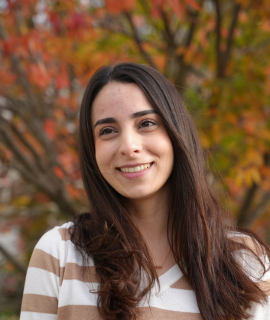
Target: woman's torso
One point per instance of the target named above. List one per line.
(58, 287)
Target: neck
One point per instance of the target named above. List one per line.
(151, 216)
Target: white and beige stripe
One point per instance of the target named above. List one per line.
(59, 287)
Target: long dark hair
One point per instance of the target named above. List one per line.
(197, 223)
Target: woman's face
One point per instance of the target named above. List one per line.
(133, 150)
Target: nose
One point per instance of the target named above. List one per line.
(130, 144)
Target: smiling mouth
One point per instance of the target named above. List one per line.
(135, 169)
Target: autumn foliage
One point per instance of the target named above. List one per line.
(215, 52)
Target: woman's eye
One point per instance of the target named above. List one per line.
(106, 131)
(147, 123)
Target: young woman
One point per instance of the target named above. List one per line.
(156, 243)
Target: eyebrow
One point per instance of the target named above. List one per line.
(133, 116)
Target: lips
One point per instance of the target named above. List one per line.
(135, 168)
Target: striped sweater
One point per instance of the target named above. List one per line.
(56, 289)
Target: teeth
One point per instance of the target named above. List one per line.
(136, 169)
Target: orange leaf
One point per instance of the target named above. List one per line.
(116, 6)
(74, 193)
(59, 173)
(7, 78)
(38, 75)
(49, 127)
(251, 175)
(42, 198)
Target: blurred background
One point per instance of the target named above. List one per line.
(216, 53)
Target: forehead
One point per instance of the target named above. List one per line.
(119, 100)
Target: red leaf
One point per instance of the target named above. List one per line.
(193, 4)
(49, 127)
(62, 81)
(55, 21)
(75, 21)
(177, 7)
(158, 3)
(9, 45)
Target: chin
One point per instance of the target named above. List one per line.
(140, 195)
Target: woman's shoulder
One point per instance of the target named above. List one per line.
(54, 236)
(56, 245)
(246, 241)
(251, 255)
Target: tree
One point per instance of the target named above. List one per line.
(215, 52)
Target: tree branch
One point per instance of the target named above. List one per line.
(34, 103)
(12, 146)
(243, 213)
(245, 216)
(35, 126)
(53, 187)
(259, 211)
(219, 56)
(146, 8)
(13, 260)
(168, 35)
(236, 11)
(138, 41)
(30, 171)
(56, 193)
(20, 136)
(222, 58)
(183, 68)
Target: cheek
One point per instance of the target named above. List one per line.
(101, 155)
(162, 147)
(166, 149)
(104, 155)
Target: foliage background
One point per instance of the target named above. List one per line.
(216, 52)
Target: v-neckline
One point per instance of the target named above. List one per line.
(173, 274)
(167, 279)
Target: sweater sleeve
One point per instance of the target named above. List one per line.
(257, 273)
(41, 290)
(262, 311)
